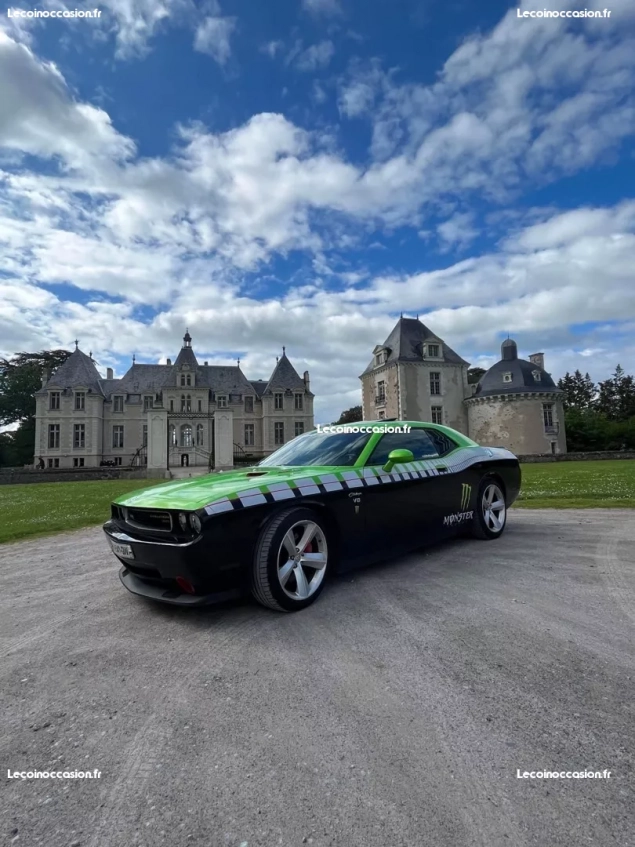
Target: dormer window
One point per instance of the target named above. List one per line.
(186, 380)
(221, 401)
(536, 375)
(434, 351)
(507, 376)
(380, 358)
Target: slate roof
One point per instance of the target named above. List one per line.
(78, 370)
(405, 344)
(259, 386)
(522, 372)
(284, 376)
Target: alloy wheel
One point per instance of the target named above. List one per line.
(302, 560)
(493, 505)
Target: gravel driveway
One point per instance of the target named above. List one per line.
(395, 711)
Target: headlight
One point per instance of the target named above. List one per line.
(196, 522)
(183, 520)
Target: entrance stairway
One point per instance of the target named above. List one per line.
(186, 473)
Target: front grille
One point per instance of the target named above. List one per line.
(158, 521)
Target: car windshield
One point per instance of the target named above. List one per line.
(319, 448)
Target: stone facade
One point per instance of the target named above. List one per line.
(416, 376)
(163, 416)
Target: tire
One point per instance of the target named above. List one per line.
(284, 582)
(488, 522)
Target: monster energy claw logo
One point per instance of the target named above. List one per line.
(462, 514)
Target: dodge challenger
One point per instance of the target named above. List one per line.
(324, 502)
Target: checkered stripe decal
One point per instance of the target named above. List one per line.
(351, 480)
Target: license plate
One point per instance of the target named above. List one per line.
(123, 550)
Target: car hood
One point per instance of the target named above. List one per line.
(198, 492)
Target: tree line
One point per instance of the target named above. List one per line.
(602, 416)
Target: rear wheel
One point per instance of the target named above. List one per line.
(290, 561)
(490, 515)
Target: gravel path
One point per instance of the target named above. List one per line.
(395, 711)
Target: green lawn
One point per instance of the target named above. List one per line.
(44, 508)
(576, 485)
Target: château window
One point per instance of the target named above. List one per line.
(80, 401)
(172, 435)
(144, 437)
(54, 436)
(54, 401)
(278, 401)
(437, 414)
(117, 436)
(200, 405)
(221, 401)
(537, 376)
(148, 403)
(53, 463)
(249, 404)
(381, 392)
(186, 435)
(380, 358)
(117, 404)
(79, 435)
(298, 428)
(249, 435)
(278, 433)
(299, 405)
(433, 351)
(78, 461)
(508, 376)
(547, 416)
(199, 435)
(435, 383)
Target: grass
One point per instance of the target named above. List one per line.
(45, 508)
(603, 484)
(42, 509)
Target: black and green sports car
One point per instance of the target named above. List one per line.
(324, 502)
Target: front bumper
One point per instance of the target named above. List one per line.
(168, 595)
(207, 562)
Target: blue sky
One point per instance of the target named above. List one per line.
(301, 172)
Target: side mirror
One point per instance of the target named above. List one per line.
(398, 457)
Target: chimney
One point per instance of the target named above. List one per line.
(169, 363)
(109, 374)
(307, 381)
(205, 364)
(46, 375)
(538, 359)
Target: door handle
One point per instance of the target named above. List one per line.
(442, 468)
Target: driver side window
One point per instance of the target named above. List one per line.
(417, 441)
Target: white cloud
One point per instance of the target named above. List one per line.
(272, 48)
(213, 37)
(315, 57)
(38, 114)
(328, 8)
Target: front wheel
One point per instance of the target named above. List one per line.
(490, 515)
(290, 561)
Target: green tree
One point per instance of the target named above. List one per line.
(8, 458)
(20, 378)
(352, 415)
(616, 396)
(474, 374)
(579, 391)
